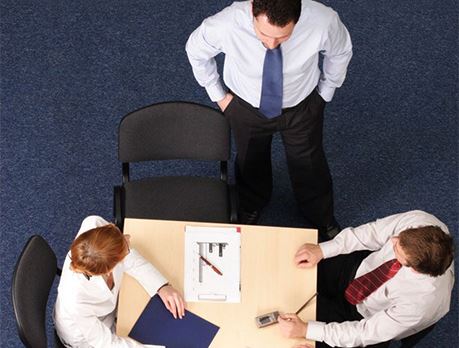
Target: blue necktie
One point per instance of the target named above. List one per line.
(271, 86)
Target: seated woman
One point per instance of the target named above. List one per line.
(85, 309)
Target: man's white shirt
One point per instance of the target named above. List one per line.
(231, 32)
(404, 305)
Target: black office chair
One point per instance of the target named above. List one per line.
(175, 131)
(32, 280)
(413, 340)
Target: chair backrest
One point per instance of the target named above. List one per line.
(174, 130)
(32, 280)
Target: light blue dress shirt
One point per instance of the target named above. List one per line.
(231, 31)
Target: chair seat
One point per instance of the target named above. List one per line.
(177, 198)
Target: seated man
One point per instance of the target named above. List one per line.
(384, 280)
(85, 310)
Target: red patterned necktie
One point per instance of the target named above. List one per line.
(361, 287)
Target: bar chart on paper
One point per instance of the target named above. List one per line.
(212, 264)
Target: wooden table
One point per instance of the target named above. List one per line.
(269, 280)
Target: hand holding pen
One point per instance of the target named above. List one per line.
(291, 325)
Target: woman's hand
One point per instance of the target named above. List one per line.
(173, 301)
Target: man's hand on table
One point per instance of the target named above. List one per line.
(292, 326)
(308, 255)
(172, 300)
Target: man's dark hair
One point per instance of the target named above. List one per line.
(279, 12)
(428, 249)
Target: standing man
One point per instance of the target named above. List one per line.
(384, 280)
(275, 84)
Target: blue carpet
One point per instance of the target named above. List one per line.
(71, 69)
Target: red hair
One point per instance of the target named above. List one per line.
(97, 251)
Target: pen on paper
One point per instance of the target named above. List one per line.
(215, 269)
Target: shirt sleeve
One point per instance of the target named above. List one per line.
(337, 54)
(91, 222)
(370, 236)
(202, 46)
(144, 272)
(97, 334)
(382, 326)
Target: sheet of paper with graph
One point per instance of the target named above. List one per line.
(212, 264)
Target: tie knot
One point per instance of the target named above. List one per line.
(274, 51)
(395, 266)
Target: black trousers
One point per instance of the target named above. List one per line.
(333, 277)
(301, 131)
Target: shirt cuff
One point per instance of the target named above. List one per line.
(145, 273)
(329, 249)
(315, 331)
(326, 92)
(156, 284)
(216, 92)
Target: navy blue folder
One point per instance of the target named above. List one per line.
(156, 325)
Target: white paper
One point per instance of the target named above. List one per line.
(221, 246)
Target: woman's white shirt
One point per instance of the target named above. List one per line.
(85, 310)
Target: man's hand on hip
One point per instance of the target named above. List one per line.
(308, 255)
(225, 101)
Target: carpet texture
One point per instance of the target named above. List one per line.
(70, 70)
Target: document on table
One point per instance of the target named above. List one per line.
(157, 326)
(212, 264)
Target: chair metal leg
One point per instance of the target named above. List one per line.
(233, 203)
(118, 211)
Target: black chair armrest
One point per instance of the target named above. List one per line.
(118, 211)
(57, 341)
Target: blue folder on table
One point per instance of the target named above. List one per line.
(156, 325)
